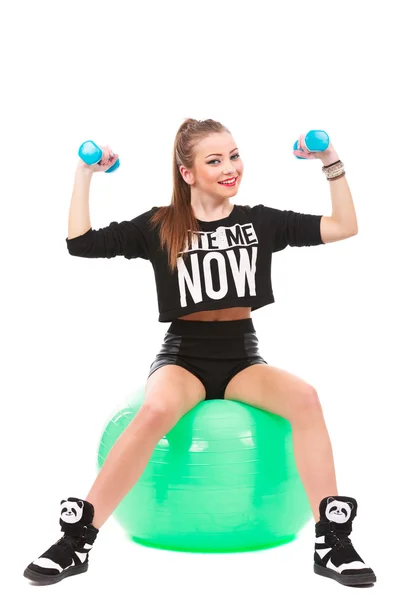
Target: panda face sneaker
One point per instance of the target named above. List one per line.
(335, 555)
(69, 555)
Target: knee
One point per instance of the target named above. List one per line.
(307, 404)
(158, 414)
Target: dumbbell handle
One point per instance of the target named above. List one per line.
(91, 153)
(316, 140)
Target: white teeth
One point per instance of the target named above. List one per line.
(229, 180)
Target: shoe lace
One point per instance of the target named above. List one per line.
(341, 541)
(68, 540)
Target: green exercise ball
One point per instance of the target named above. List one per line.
(223, 479)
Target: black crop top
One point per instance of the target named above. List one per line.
(229, 265)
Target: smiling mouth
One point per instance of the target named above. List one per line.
(231, 181)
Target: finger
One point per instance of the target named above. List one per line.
(299, 143)
(103, 159)
(302, 154)
(106, 154)
(109, 153)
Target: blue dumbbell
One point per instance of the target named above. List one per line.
(316, 141)
(90, 153)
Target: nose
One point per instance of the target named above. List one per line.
(229, 168)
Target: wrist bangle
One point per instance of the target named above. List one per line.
(334, 171)
(338, 177)
(331, 165)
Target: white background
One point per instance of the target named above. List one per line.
(79, 335)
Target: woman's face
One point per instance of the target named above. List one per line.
(216, 160)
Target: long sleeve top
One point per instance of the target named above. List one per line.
(228, 265)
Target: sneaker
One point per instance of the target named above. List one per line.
(335, 555)
(69, 555)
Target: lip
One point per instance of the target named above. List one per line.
(236, 178)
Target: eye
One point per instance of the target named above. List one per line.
(211, 161)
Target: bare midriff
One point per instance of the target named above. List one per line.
(224, 314)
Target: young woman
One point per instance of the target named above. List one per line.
(212, 264)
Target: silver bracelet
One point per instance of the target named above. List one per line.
(334, 171)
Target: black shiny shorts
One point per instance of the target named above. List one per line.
(214, 351)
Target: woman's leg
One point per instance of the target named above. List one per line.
(313, 454)
(284, 394)
(171, 391)
(279, 392)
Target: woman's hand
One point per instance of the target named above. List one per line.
(107, 160)
(327, 157)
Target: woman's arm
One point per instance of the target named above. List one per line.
(127, 238)
(79, 216)
(342, 223)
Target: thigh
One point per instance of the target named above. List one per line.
(173, 389)
(274, 390)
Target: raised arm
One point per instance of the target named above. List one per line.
(79, 215)
(127, 238)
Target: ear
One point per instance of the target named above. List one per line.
(330, 499)
(62, 501)
(351, 505)
(186, 174)
(80, 504)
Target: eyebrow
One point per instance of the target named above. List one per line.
(215, 154)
